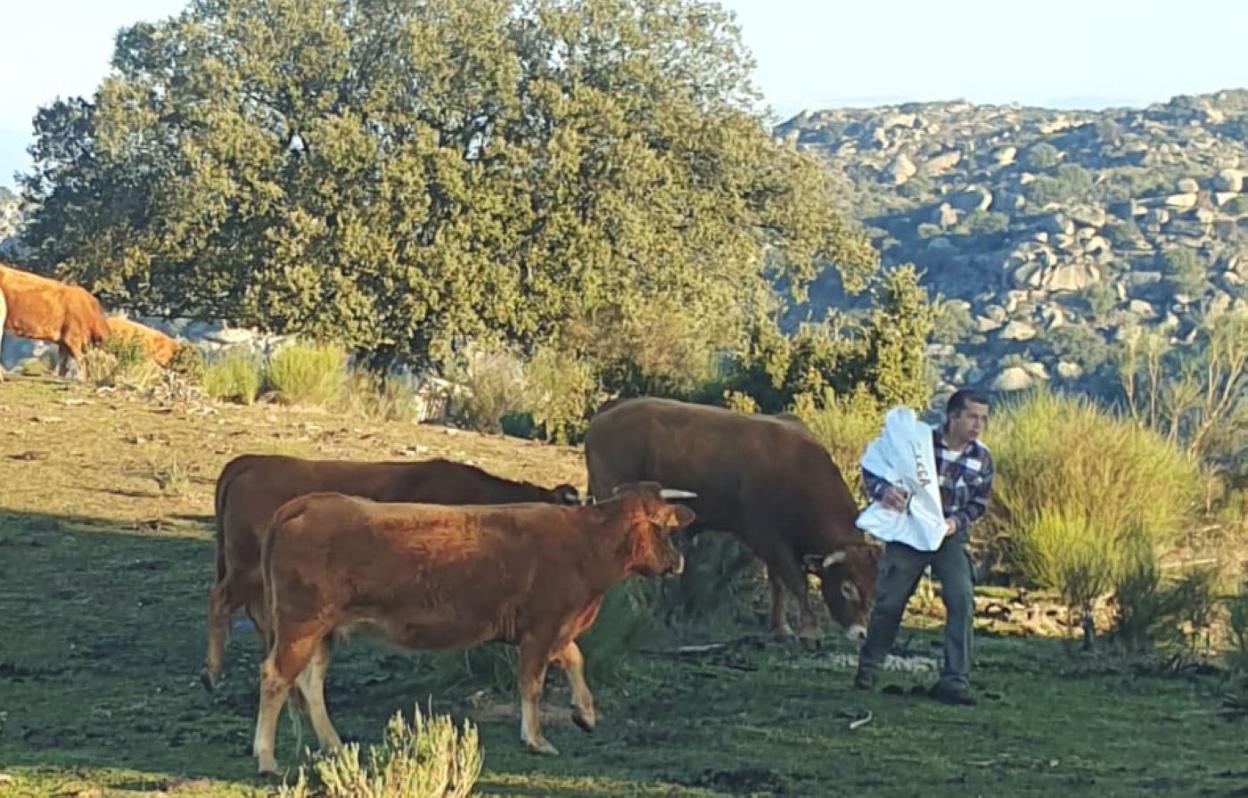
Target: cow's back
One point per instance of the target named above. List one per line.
(35, 309)
(745, 468)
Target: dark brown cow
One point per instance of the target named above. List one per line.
(765, 479)
(251, 487)
(438, 577)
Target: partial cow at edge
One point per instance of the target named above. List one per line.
(765, 479)
(48, 310)
(439, 577)
(252, 486)
(155, 344)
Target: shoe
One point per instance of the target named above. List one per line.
(952, 695)
(864, 681)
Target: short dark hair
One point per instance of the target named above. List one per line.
(963, 397)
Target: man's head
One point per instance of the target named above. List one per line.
(966, 415)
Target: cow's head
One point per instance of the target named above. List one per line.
(847, 582)
(566, 494)
(651, 522)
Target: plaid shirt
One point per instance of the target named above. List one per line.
(965, 480)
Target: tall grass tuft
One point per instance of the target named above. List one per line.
(427, 759)
(236, 376)
(1071, 471)
(308, 374)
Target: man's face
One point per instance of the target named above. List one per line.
(968, 423)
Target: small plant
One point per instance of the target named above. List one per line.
(380, 397)
(560, 388)
(1062, 551)
(235, 376)
(307, 374)
(188, 363)
(492, 386)
(427, 759)
(170, 474)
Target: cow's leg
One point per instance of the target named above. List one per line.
(62, 360)
(573, 664)
(286, 660)
(311, 683)
(786, 568)
(779, 623)
(534, 657)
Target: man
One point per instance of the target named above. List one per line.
(965, 469)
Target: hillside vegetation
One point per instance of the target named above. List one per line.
(1052, 233)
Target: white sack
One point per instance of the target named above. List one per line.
(903, 456)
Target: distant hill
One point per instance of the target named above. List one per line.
(1052, 231)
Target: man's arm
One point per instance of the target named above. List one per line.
(875, 485)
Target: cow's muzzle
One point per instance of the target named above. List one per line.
(856, 632)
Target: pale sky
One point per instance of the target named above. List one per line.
(810, 53)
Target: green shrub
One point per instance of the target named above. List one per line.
(188, 363)
(1101, 299)
(381, 397)
(1123, 233)
(626, 622)
(1041, 156)
(1184, 270)
(307, 374)
(491, 382)
(428, 759)
(119, 359)
(1079, 344)
(951, 322)
(560, 391)
(235, 376)
(1062, 550)
(1065, 465)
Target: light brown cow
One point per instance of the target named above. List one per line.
(765, 479)
(252, 486)
(438, 577)
(156, 345)
(49, 310)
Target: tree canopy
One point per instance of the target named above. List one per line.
(403, 175)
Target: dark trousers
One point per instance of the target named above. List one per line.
(900, 569)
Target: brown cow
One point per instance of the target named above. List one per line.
(49, 310)
(437, 577)
(767, 480)
(156, 345)
(252, 486)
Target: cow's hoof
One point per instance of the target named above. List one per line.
(267, 766)
(813, 645)
(542, 747)
(783, 634)
(586, 723)
(205, 679)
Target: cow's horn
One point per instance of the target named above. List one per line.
(834, 558)
(676, 493)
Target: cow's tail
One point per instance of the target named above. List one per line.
(97, 328)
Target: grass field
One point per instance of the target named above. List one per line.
(106, 558)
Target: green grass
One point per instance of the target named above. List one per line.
(103, 582)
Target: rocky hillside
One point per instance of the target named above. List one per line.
(1051, 232)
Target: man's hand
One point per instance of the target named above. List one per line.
(951, 526)
(894, 498)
